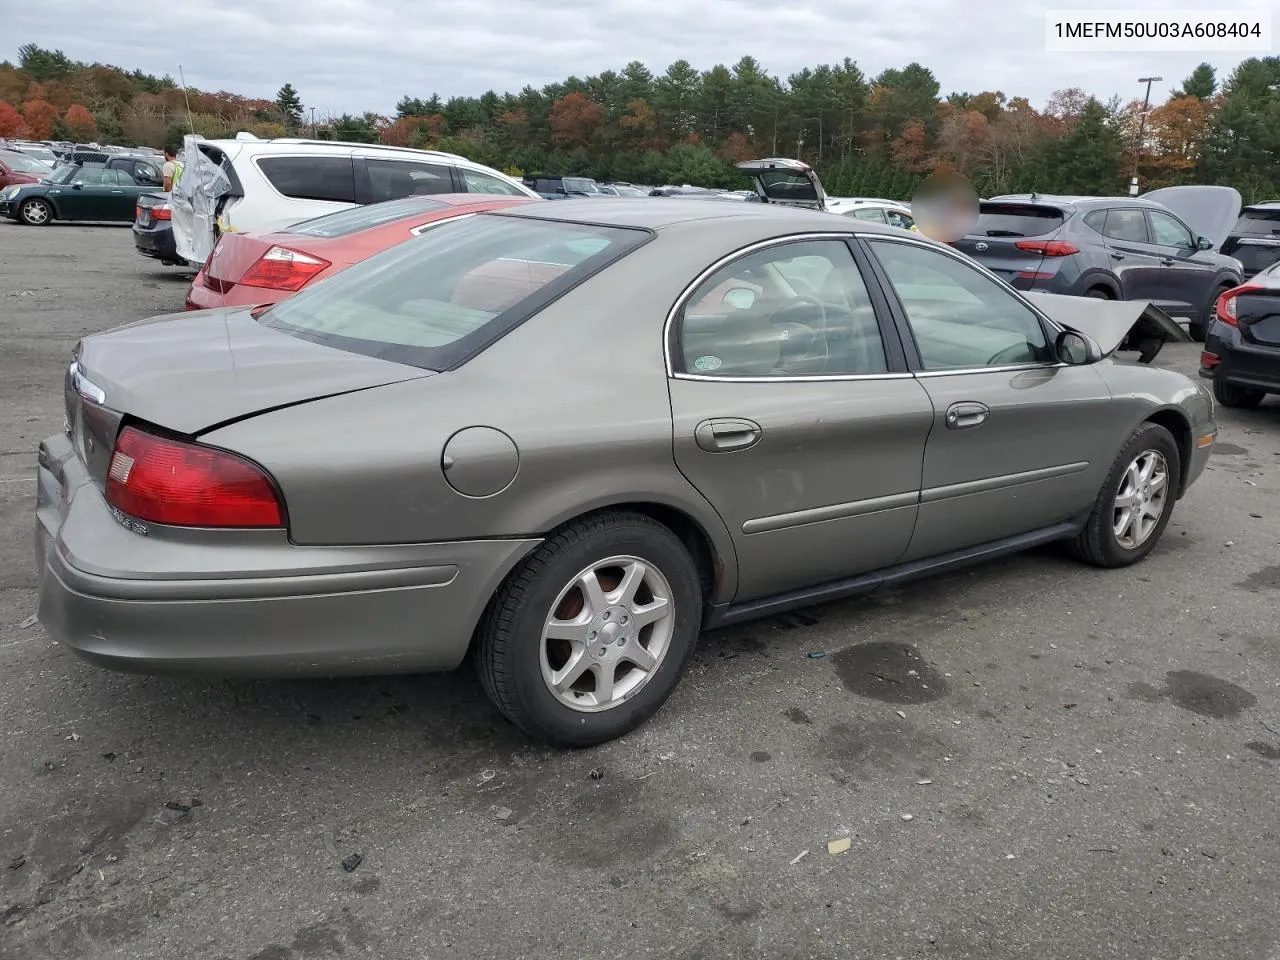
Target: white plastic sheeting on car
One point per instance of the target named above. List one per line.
(195, 201)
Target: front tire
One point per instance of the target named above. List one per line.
(35, 213)
(1236, 397)
(589, 636)
(1135, 503)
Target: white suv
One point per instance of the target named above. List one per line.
(251, 185)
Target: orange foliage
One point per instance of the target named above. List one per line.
(10, 120)
(911, 150)
(576, 120)
(38, 117)
(80, 122)
(737, 148)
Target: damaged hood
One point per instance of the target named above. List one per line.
(1138, 324)
(1210, 211)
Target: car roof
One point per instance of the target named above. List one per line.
(259, 145)
(645, 213)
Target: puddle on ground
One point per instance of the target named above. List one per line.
(1198, 693)
(1230, 449)
(796, 715)
(1268, 578)
(891, 672)
(1264, 749)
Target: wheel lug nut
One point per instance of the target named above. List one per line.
(592, 635)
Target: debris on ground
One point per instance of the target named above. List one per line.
(72, 736)
(901, 714)
(486, 776)
(330, 847)
(798, 857)
(31, 621)
(179, 807)
(351, 862)
(17, 862)
(817, 654)
(837, 846)
(923, 782)
(502, 813)
(597, 774)
(908, 817)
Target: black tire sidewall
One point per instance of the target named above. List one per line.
(22, 212)
(540, 709)
(1240, 398)
(1149, 437)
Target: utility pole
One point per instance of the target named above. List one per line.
(313, 123)
(1142, 130)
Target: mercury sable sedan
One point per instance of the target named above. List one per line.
(566, 438)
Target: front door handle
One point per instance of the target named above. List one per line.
(1117, 256)
(970, 413)
(727, 435)
(1166, 261)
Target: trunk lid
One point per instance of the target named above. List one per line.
(1002, 225)
(786, 181)
(1113, 323)
(192, 372)
(1210, 211)
(207, 184)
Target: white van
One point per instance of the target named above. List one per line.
(249, 185)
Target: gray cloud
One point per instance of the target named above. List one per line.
(356, 55)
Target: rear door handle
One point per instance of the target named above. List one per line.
(1117, 256)
(969, 413)
(727, 435)
(1167, 261)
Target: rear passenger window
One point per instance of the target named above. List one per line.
(311, 178)
(393, 179)
(869, 213)
(1127, 225)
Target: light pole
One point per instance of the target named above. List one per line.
(819, 119)
(1142, 130)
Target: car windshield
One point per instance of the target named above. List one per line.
(21, 163)
(435, 300)
(69, 172)
(580, 185)
(346, 222)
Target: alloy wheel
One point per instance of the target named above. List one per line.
(1141, 498)
(607, 634)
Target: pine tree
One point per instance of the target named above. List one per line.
(290, 106)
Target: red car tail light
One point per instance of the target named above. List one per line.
(1209, 360)
(1226, 306)
(183, 484)
(1048, 248)
(164, 212)
(283, 269)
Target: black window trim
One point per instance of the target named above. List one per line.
(895, 358)
(257, 163)
(467, 348)
(915, 362)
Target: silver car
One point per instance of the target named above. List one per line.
(566, 438)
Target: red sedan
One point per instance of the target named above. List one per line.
(247, 269)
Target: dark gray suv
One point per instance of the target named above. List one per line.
(1158, 247)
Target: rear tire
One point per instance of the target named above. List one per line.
(35, 213)
(576, 649)
(1135, 503)
(1237, 397)
(1099, 293)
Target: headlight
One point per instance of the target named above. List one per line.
(8, 193)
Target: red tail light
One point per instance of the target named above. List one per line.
(1048, 248)
(1226, 308)
(162, 213)
(283, 269)
(184, 484)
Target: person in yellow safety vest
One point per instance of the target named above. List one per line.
(172, 171)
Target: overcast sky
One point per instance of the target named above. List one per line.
(357, 55)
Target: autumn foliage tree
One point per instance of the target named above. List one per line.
(576, 121)
(10, 120)
(80, 122)
(38, 118)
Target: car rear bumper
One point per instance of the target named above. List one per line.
(157, 244)
(200, 297)
(248, 604)
(1243, 364)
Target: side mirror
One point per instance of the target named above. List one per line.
(1204, 243)
(77, 185)
(1075, 349)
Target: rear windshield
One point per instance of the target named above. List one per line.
(1256, 220)
(1013, 220)
(346, 222)
(438, 299)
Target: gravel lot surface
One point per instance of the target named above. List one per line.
(1031, 759)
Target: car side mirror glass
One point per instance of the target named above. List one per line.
(740, 298)
(1075, 349)
(1204, 243)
